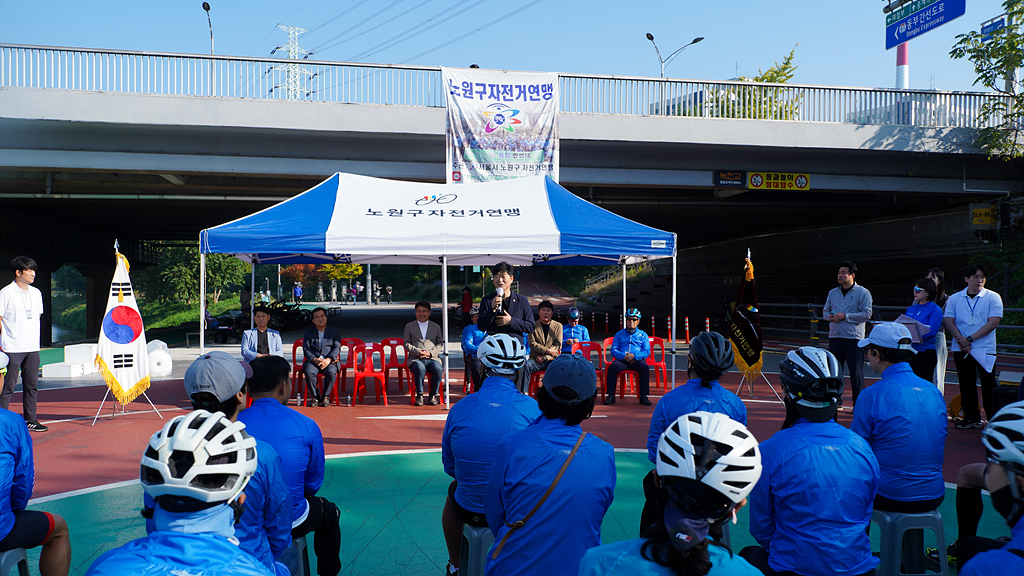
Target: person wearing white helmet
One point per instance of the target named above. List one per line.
(707, 465)
(1004, 443)
(196, 469)
(811, 509)
(472, 336)
(472, 431)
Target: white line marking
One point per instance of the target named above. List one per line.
(162, 410)
(42, 499)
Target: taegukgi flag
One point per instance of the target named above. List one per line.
(121, 355)
(501, 125)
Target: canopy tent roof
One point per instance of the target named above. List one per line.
(352, 218)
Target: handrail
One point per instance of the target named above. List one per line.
(133, 71)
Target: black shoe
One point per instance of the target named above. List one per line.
(609, 400)
(644, 401)
(419, 400)
(35, 426)
(433, 401)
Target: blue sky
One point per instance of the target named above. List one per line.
(837, 43)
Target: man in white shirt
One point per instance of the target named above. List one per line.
(21, 305)
(972, 316)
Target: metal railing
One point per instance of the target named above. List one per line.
(354, 83)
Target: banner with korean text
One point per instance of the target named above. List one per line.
(121, 356)
(501, 125)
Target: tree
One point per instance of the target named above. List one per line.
(301, 273)
(996, 59)
(761, 102)
(69, 279)
(341, 271)
(175, 278)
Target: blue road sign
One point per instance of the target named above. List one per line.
(990, 27)
(927, 18)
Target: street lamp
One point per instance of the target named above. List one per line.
(666, 61)
(206, 6)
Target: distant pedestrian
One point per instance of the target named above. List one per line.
(297, 293)
(972, 316)
(847, 308)
(21, 305)
(245, 300)
(388, 289)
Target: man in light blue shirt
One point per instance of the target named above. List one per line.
(847, 309)
(261, 341)
(630, 348)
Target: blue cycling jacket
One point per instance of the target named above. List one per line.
(557, 536)
(688, 398)
(472, 336)
(175, 554)
(930, 315)
(298, 442)
(624, 558)
(903, 418)
(17, 471)
(578, 332)
(999, 562)
(812, 506)
(638, 343)
(474, 427)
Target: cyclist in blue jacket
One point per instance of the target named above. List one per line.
(1004, 442)
(472, 336)
(573, 332)
(196, 469)
(811, 509)
(630, 348)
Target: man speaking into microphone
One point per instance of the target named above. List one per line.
(504, 311)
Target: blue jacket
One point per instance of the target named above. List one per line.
(812, 506)
(250, 340)
(624, 558)
(265, 530)
(999, 562)
(692, 397)
(903, 418)
(299, 443)
(174, 553)
(472, 336)
(930, 315)
(525, 464)
(578, 332)
(474, 427)
(638, 343)
(17, 471)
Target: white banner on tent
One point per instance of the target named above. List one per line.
(505, 217)
(501, 125)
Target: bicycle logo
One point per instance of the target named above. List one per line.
(442, 199)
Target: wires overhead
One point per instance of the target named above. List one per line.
(337, 15)
(466, 35)
(322, 46)
(412, 32)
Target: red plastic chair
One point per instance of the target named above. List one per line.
(659, 366)
(350, 360)
(587, 349)
(467, 385)
(630, 377)
(391, 346)
(366, 368)
(428, 384)
(535, 381)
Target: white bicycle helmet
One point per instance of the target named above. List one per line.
(1004, 437)
(502, 353)
(201, 456)
(712, 449)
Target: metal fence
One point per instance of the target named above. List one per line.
(354, 83)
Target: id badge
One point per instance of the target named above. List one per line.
(28, 313)
(971, 321)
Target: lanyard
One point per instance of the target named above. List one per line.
(977, 299)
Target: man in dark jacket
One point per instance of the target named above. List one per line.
(321, 351)
(509, 314)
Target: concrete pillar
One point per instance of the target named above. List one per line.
(96, 290)
(43, 283)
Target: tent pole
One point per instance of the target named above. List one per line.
(623, 295)
(202, 300)
(675, 318)
(444, 325)
(252, 292)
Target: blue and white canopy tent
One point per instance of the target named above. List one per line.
(352, 218)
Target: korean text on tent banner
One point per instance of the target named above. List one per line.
(745, 329)
(501, 125)
(122, 356)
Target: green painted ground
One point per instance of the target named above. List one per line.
(391, 514)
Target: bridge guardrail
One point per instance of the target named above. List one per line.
(357, 83)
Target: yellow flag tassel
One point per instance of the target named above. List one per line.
(123, 397)
(751, 373)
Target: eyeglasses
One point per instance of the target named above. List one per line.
(917, 290)
(632, 319)
(977, 277)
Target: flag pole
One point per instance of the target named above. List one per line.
(444, 322)
(675, 272)
(202, 300)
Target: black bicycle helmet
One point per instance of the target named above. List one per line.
(811, 377)
(711, 354)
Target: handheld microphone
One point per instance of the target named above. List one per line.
(501, 292)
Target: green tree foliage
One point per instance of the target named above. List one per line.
(175, 278)
(69, 279)
(995, 59)
(751, 101)
(341, 271)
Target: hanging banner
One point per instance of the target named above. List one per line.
(501, 125)
(745, 330)
(121, 354)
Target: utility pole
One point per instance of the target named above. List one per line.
(292, 71)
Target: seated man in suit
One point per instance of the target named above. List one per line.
(423, 347)
(321, 350)
(261, 341)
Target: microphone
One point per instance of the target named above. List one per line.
(501, 292)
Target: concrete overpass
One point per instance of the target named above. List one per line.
(148, 146)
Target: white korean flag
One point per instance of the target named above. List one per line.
(122, 356)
